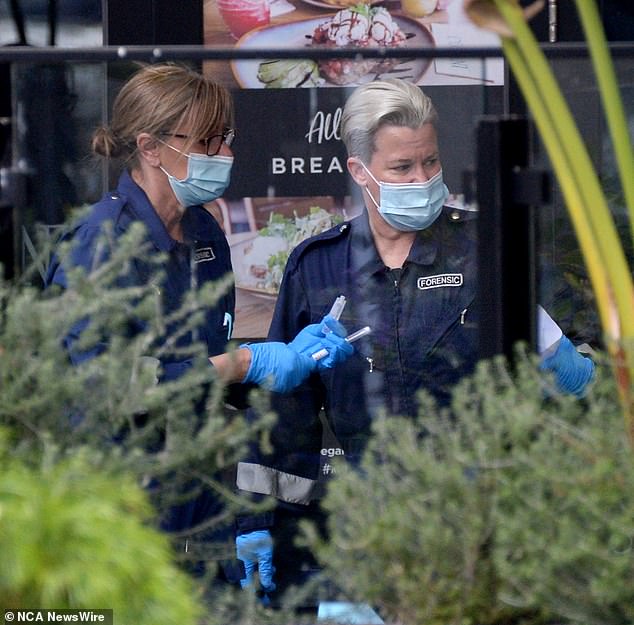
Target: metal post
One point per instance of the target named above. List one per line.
(506, 191)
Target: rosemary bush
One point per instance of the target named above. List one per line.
(75, 537)
(99, 452)
(514, 506)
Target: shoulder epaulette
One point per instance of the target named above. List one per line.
(335, 232)
(108, 208)
(458, 215)
(331, 234)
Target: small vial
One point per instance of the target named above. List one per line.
(335, 311)
(351, 338)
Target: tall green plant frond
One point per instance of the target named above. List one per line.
(603, 251)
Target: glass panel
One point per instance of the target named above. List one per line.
(70, 24)
(290, 180)
(564, 285)
(289, 160)
(47, 168)
(289, 157)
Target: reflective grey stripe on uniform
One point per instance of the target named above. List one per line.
(256, 478)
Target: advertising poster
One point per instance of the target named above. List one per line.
(290, 179)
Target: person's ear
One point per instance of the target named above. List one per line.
(148, 149)
(357, 171)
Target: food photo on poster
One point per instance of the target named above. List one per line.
(289, 178)
(270, 24)
(261, 233)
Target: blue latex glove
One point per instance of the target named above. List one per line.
(255, 550)
(338, 351)
(573, 372)
(277, 367)
(329, 335)
(333, 326)
(280, 367)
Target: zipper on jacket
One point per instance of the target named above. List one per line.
(397, 278)
(459, 322)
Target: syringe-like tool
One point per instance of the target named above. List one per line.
(355, 336)
(351, 338)
(335, 311)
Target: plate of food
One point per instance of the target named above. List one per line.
(259, 258)
(362, 26)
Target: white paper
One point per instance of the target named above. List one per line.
(348, 613)
(548, 332)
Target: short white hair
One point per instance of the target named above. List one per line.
(391, 101)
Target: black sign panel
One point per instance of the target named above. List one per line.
(288, 143)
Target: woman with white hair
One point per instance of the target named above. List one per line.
(408, 268)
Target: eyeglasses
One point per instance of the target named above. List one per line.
(213, 143)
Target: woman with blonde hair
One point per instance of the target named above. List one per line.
(172, 131)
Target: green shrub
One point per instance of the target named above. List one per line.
(112, 404)
(75, 537)
(76, 528)
(517, 509)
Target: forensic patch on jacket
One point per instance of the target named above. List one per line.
(204, 254)
(443, 279)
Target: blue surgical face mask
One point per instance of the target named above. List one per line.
(410, 206)
(206, 180)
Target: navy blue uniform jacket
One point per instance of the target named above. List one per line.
(424, 336)
(203, 257)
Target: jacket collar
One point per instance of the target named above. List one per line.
(366, 259)
(144, 212)
(195, 222)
